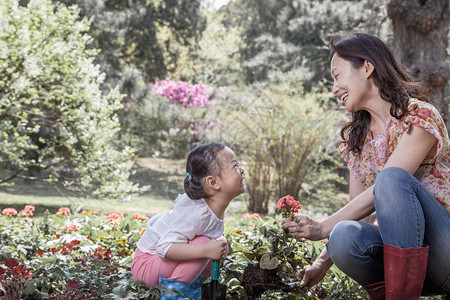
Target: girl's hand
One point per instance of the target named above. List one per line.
(215, 249)
(305, 227)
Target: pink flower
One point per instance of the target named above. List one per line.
(140, 217)
(223, 89)
(181, 92)
(115, 218)
(288, 206)
(28, 210)
(65, 211)
(70, 226)
(9, 211)
(253, 216)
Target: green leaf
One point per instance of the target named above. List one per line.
(268, 263)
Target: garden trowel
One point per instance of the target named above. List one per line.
(214, 290)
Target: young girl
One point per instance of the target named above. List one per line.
(180, 244)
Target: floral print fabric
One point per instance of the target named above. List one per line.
(433, 173)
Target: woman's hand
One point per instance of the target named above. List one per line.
(305, 227)
(311, 275)
(215, 249)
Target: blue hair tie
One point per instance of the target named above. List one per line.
(189, 176)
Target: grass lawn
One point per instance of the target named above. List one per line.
(164, 176)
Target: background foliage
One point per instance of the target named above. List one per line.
(56, 123)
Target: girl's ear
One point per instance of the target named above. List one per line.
(368, 68)
(211, 182)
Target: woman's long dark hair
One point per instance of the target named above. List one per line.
(389, 76)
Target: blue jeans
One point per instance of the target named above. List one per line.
(408, 216)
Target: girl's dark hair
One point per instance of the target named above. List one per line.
(389, 76)
(201, 162)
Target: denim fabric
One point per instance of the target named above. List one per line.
(408, 216)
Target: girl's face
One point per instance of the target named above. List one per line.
(231, 175)
(350, 85)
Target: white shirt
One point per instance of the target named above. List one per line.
(187, 219)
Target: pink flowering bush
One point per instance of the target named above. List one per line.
(183, 93)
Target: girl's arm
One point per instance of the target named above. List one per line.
(181, 251)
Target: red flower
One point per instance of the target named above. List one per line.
(71, 284)
(72, 244)
(288, 206)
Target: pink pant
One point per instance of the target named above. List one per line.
(148, 267)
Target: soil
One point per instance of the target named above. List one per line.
(256, 281)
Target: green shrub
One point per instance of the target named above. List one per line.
(56, 124)
(287, 138)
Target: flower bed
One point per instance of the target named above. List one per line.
(84, 255)
(69, 255)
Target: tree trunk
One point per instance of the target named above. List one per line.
(420, 39)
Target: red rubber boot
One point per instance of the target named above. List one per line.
(375, 290)
(404, 271)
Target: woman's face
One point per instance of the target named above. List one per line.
(350, 84)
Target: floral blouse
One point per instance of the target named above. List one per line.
(433, 173)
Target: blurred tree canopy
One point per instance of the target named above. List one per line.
(281, 35)
(140, 39)
(55, 122)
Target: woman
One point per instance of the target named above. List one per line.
(398, 153)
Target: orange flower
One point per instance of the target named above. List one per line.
(28, 210)
(9, 211)
(142, 231)
(140, 217)
(65, 211)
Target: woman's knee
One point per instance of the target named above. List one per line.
(390, 178)
(356, 248)
(342, 239)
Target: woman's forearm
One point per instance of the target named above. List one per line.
(324, 260)
(357, 209)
